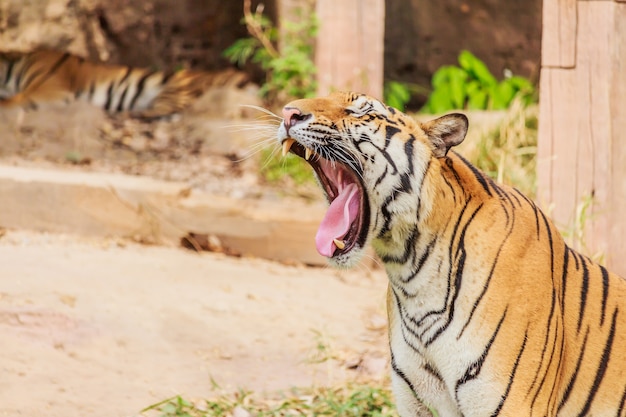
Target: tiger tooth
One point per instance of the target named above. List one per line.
(287, 145)
(307, 153)
(339, 243)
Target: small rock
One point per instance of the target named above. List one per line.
(239, 411)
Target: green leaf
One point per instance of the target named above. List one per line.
(476, 96)
(520, 83)
(458, 80)
(476, 68)
(496, 100)
(396, 94)
(241, 51)
(442, 76)
(439, 102)
(506, 92)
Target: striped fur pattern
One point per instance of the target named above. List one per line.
(45, 77)
(490, 312)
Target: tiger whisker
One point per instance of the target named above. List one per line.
(262, 109)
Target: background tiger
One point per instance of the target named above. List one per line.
(490, 312)
(47, 77)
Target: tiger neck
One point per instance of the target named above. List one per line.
(416, 250)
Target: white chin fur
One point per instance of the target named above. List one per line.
(347, 260)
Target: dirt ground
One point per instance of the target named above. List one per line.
(106, 327)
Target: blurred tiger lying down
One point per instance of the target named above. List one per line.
(46, 78)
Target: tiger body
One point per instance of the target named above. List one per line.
(48, 78)
(490, 312)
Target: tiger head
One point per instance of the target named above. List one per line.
(370, 159)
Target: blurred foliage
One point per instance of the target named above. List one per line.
(506, 150)
(290, 69)
(276, 167)
(396, 94)
(472, 86)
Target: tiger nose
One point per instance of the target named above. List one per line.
(293, 116)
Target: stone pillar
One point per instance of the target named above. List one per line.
(350, 46)
(582, 125)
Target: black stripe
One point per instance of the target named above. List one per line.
(556, 335)
(9, 72)
(18, 78)
(511, 377)
(583, 293)
(92, 90)
(461, 255)
(425, 255)
(52, 69)
(428, 368)
(129, 70)
(605, 292)
(480, 177)
(367, 140)
(622, 402)
(486, 285)
(473, 370)
(120, 104)
(409, 248)
(457, 177)
(554, 391)
(401, 374)
(381, 178)
(604, 360)
(390, 132)
(576, 256)
(408, 151)
(140, 86)
(107, 104)
(417, 266)
(406, 185)
(167, 76)
(517, 200)
(405, 325)
(455, 229)
(564, 278)
(535, 210)
(572, 381)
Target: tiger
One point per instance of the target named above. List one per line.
(490, 312)
(48, 77)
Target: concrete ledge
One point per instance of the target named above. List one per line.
(157, 211)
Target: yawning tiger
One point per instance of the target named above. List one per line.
(490, 312)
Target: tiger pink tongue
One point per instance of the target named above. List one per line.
(339, 217)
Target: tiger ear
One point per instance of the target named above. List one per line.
(446, 132)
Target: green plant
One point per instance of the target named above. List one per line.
(276, 168)
(350, 401)
(289, 70)
(472, 86)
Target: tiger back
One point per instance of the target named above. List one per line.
(490, 312)
(51, 78)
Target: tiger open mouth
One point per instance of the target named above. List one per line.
(345, 224)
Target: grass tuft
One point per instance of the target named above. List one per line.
(507, 151)
(275, 168)
(350, 401)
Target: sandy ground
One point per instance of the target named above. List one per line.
(106, 327)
